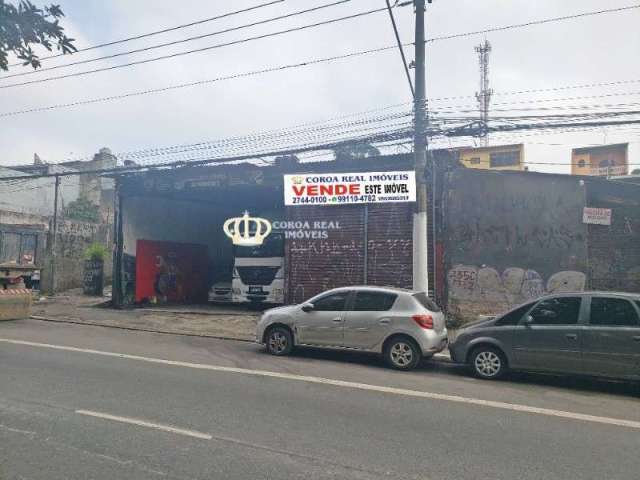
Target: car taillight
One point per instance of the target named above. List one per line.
(425, 321)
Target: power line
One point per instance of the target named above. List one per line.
(200, 82)
(157, 32)
(298, 65)
(376, 138)
(197, 50)
(531, 23)
(400, 48)
(433, 39)
(541, 100)
(402, 133)
(177, 42)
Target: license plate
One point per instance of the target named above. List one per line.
(255, 289)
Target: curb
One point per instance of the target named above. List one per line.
(443, 358)
(196, 312)
(439, 357)
(137, 329)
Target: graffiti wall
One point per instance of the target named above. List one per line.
(614, 250)
(509, 237)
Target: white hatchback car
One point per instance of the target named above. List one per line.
(403, 325)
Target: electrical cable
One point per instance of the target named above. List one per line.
(531, 23)
(177, 42)
(433, 39)
(197, 50)
(400, 48)
(199, 82)
(157, 32)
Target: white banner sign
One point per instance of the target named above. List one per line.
(597, 216)
(348, 188)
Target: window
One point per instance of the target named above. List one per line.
(426, 302)
(581, 163)
(557, 311)
(373, 301)
(613, 311)
(513, 317)
(10, 247)
(28, 249)
(474, 161)
(606, 163)
(504, 159)
(331, 303)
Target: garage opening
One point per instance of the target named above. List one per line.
(175, 249)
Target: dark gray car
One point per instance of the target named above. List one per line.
(590, 333)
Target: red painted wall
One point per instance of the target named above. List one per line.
(171, 272)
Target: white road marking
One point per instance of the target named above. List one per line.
(143, 423)
(345, 384)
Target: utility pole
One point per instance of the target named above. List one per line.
(485, 93)
(420, 248)
(54, 236)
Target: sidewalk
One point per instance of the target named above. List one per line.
(217, 321)
(201, 320)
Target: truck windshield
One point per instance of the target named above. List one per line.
(272, 246)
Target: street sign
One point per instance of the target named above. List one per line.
(596, 216)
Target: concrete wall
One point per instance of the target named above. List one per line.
(169, 220)
(20, 218)
(36, 196)
(510, 237)
(594, 161)
(614, 250)
(73, 239)
(480, 157)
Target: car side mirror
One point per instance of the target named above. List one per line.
(528, 321)
(307, 307)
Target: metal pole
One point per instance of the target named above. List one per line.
(54, 236)
(420, 248)
(365, 214)
(434, 226)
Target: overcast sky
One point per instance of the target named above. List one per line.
(601, 48)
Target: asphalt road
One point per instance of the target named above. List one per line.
(193, 408)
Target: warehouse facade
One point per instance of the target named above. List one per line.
(496, 239)
(171, 244)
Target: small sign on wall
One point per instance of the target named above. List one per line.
(596, 216)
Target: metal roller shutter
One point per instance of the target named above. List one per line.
(315, 265)
(390, 246)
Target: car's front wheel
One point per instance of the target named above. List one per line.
(279, 341)
(488, 362)
(402, 353)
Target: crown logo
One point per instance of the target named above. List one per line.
(297, 180)
(239, 230)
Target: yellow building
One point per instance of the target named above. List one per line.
(500, 157)
(604, 160)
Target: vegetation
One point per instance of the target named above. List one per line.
(96, 252)
(635, 171)
(83, 210)
(25, 25)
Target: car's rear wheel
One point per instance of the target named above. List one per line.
(279, 341)
(488, 362)
(402, 353)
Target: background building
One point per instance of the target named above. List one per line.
(603, 161)
(500, 157)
